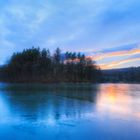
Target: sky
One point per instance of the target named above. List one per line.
(106, 30)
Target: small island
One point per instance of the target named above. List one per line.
(38, 65)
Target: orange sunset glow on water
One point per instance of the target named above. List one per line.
(118, 103)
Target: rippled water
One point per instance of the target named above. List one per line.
(70, 112)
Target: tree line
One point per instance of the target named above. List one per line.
(39, 65)
(125, 75)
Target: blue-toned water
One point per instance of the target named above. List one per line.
(69, 112)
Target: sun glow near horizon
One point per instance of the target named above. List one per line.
(126, 56)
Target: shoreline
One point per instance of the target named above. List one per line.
(84, 82)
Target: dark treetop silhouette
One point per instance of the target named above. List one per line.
(36, 65)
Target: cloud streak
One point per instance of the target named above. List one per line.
(116, 54)
(116, 64)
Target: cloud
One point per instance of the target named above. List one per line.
(116, 64)
(90, 26)
(117, 54)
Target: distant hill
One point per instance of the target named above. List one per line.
(131, 74)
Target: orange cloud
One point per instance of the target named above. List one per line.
(114, 64)
(117, 63)
(118, 53)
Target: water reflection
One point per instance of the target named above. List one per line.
(119, 100)
(33, 104)
(73, 111)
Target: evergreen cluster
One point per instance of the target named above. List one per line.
(39, 65)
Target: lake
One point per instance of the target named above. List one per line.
(69, 112)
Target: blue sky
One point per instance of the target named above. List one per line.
(94, 27)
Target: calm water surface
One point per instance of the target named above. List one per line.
(70, 112)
